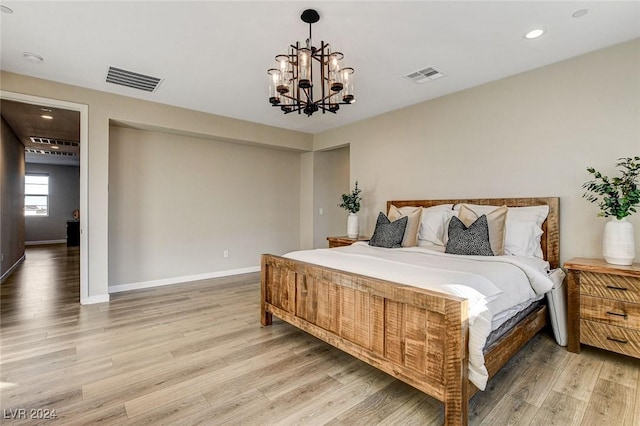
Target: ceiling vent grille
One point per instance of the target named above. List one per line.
(55, 153)
(49, 141)
(424, 75)
(132, 79)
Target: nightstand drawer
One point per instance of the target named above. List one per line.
(618, 287)
(616, 339)
(613, 312)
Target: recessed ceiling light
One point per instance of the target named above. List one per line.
(45, 110)
(580, 13)
(47, 117)
(6, 9)
(534, 33)
(55, 147)
(32, 57)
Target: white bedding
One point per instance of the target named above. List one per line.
(494, 285)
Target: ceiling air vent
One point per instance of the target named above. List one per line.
(55, 153)
(424, 75)
(49, 141)
(132, 79)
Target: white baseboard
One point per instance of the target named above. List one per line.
(43, 242)
(101, 298)
(183, 279)
(14, 266)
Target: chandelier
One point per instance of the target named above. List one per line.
(305, 68)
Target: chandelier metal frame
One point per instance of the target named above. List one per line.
(292, 84)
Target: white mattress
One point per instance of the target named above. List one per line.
(497, 286)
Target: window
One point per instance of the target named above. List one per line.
(36, 195)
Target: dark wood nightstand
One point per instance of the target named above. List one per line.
(603, 306)
(344, 241)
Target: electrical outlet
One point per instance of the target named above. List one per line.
(321, 211)
(225, 253)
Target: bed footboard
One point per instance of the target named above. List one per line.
(416, 335)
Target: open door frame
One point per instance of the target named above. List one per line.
(84, 176)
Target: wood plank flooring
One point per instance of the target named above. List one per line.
(195, 353)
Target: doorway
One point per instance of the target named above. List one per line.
(84, 138)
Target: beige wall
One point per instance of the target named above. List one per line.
(306, 200)
(330, 180)
(532, 134)
(177, 202)
(11, 199)
(104, 108)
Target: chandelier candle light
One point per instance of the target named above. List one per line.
(291, 84)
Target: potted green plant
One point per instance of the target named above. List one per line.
(351, 203)
(617, 197)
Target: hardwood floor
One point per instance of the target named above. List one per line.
(196, 354)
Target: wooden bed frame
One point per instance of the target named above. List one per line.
(416, 335)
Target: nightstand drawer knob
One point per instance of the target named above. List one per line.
(618, 314)
(613, 287)
(618, 340)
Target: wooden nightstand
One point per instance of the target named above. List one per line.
(603, 306)
(344, 241)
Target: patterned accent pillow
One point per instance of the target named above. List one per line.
(496, 221)
(473, 240)
(388, 234)
(413, 215)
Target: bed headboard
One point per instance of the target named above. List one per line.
(550, 240)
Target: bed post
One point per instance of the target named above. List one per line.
(456, 393)
(266, 318)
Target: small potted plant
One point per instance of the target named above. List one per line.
(617, 198)
(351, 203)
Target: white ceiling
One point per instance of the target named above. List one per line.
(213, 55)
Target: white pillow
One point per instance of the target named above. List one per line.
(537, 214)
(434, 224)
(525, 236)
(524, 228)
(523, 239)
